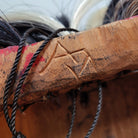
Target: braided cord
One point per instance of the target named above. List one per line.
(73, 117)
(11, 122)
(11, 77)
(99, 106)
(98, 111)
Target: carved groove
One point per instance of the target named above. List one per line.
(94, 65)
(101, 59)
(52, 56)
(71, 70)
(84, 65)
(68, 52)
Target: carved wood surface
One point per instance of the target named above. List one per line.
(69, 61)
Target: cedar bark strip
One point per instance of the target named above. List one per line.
(69, 61)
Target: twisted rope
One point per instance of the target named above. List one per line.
(10, 80)
(73, 116)
(11, 121)
(99, 106)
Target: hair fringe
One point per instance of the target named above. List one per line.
(128, 9)
(121, 9)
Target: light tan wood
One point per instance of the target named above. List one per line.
(69, 61)
(118, 119)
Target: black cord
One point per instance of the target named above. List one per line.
(11, 122)
(73, 116)
(95, 118)
(11, 76)
(98, 111)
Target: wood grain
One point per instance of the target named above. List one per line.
(69, 61)
(118, 118)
